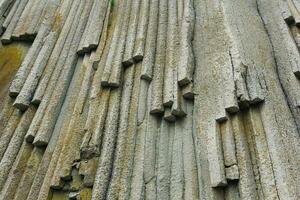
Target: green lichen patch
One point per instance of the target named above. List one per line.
(11, 57)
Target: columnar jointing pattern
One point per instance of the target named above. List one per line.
(152, 99)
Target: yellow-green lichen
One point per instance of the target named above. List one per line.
(11, 57)
(59, 195)
(86, 194)
(57, 23)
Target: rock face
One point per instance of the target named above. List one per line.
(150, 99)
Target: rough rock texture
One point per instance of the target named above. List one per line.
(150, 99)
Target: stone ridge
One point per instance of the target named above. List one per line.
(149, 99)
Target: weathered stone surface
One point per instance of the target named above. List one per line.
(149, 99)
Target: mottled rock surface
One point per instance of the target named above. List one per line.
(149, 99)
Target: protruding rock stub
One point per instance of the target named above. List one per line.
(224, 153)
(29, 138)
(221, 114)
(168, 116)
(179, 107)
(250, 86)
(294, 8)
(186, 63)
(117, 67)
(131, 37)
(21, 106)
(286, 13)
(159, 66)
(188, 91)
(296, 36)
(229, 150)
(40, 142)
(94, 28)
(216, 157)
(142, 28)
(228, 143)
(150, 42)
(232, 173)
(170, 63)
(232, 109)
(113, 44)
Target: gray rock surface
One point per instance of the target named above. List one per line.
(150, 99)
